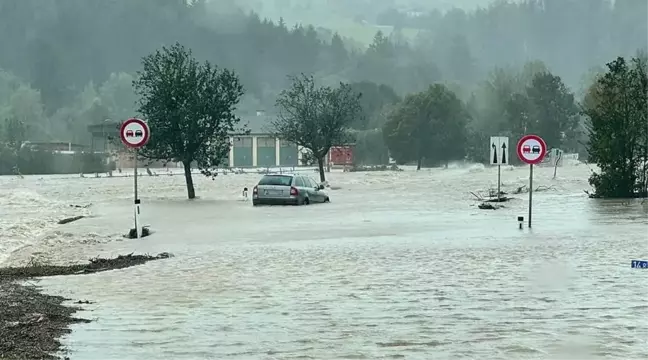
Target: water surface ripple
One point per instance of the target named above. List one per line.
(398, 266)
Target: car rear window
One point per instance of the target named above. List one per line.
(280, 180)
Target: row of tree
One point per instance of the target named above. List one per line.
(443, 125)
(61, 47)
(491, 105)
(586, 32)
(113, 99)
(611, 124)
(192, 107)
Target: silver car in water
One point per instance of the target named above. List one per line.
(275, 189)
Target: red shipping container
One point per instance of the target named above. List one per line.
(341, 155)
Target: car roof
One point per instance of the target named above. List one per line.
(290, 175)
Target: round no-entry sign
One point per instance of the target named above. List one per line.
(531, 149)
(134, 133)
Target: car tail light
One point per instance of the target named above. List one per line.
(294, 191)
(255, 190)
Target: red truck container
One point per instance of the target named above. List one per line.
(341, 155)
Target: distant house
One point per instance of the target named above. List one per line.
(104, 136)
(259, 148)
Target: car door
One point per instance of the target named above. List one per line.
(301, 186)
(320, 195)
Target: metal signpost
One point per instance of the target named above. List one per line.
(135, 133)
(531, 149)
(499, 155)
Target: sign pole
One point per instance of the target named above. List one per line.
(137, 202)
(499, 181)
(135, 134)
(530, 192)
(531, 149)
(499, 142)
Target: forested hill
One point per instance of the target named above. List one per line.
(68, 49)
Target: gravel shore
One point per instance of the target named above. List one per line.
(31, 322)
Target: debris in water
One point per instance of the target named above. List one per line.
(489, 206)
(81, 206)
(70, 219)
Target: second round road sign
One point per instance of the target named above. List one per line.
(531, 149)
(134, 133)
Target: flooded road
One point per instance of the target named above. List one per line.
(398, 265)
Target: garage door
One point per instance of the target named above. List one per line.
(266, 152)
(288, 154)
(242, 151)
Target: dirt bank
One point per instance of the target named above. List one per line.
(31, 322)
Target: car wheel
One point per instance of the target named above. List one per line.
(306, 201)
(327, 199)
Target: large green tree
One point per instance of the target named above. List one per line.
(20, 102)
(189, 107)
(13, 133)
(370, 148)
(374, 100)
(553, 112)
(429, 126)
(315, 118)
(545, 108)
(616, 108)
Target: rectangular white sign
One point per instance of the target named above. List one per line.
(499, 150)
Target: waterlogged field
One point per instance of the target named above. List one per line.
(398, 265)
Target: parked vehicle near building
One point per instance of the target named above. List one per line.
(275, 189)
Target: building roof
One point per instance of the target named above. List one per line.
(257, 123)
(106, 127)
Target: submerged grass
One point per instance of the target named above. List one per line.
(94, 265)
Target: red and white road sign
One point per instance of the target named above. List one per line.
(134, 133)
(531, 149)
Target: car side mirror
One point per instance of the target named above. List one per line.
(320, 187)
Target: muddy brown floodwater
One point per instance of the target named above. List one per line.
(398, 265)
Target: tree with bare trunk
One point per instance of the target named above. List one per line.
(315, 118)
(190, 109)
(428, 126)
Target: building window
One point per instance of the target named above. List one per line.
(265, 142)
(243, 141)
(288, 144)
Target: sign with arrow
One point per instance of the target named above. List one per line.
(499, 150)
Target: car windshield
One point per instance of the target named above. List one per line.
(281, 180)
